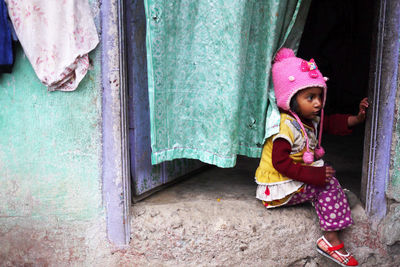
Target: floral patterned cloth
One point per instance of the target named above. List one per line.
(56, 36)
(209, 80)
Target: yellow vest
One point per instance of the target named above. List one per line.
(290, 130)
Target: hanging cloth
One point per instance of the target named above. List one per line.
(209, 80)
(6, 51)
(56, 37)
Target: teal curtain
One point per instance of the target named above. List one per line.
(209, 78)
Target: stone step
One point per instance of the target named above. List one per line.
(213, 219)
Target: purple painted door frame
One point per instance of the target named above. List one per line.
(116, 175)
(381, 114)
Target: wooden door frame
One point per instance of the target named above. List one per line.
(381, 113)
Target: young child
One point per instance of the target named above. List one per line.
(291, 170)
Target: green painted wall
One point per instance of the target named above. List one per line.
(50, 146)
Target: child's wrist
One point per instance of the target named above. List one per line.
(352, 121)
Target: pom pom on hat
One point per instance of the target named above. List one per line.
(283, 53)
(308, 157)
(319, 152)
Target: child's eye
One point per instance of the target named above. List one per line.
(310, 97)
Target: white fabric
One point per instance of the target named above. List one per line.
(318, 163)
(281, 189)
(277, 191)
(56, 36)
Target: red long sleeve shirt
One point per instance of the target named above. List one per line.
(334, 124)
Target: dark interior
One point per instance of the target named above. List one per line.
(338, 35)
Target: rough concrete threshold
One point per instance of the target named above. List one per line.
(213, 219)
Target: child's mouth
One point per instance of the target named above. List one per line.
(316, 113)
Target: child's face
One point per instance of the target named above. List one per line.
(309, 102)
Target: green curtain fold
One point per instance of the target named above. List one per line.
(209, 62)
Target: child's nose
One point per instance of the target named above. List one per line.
(318, 102)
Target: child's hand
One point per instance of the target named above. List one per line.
(362, 107)
(354, 120)
(329, 172)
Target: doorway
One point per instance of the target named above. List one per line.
(338, 36)
(342, 49)
(384, 66)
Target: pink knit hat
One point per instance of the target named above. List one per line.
(291, 74)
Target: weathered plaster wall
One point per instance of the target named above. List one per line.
(49, 146)
(394, 183)
(50, 166)
(390, 226)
